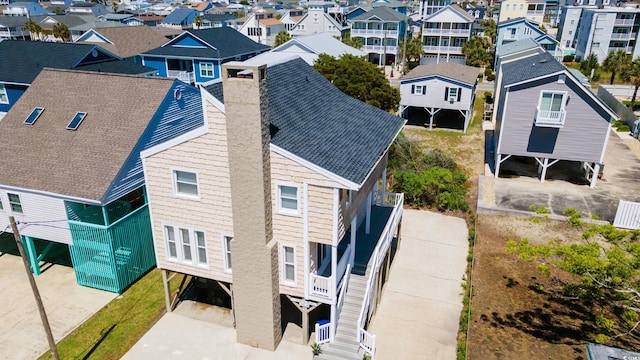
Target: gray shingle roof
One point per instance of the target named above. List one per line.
(177, 16)
(227, 42)
(383, 13)
(22, 61)
(530, 68)
(459, 72)
(516, 46)
(314, 120)
(46, 156)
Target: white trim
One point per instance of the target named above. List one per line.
(606, 142)
(342, 181)
(165, 233)
(3, 89)
(188, 136)
(550, 123)
(283, 264)
(53, 195)
(286, 211)
(336, 207)
(305, 237)
(213, 69)
(153, 233)
(210, 98)
(502, 121)
(193, 246)
(18, 203)
(174, 179)
(226, 251)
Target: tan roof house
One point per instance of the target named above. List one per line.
(278, 203)
(125, 41)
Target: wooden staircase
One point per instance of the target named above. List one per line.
(345, 345)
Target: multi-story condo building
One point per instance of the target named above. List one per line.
(443, 34)
(537, 10)
(428, 7)
(380, 30)
(608, 29)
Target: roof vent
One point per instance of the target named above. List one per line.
(75, 122)
(177, 94)
(543, 61)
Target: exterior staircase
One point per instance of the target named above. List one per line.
(345, 345)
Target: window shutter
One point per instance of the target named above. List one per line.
(413, 89)
(446, 94)
(424, 89)
(459, 93)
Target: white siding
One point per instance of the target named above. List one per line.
(434, 96)
(37, 208)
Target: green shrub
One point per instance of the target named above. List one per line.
(568, 58)
(620, 126)
(491, 77)
(487, 71)
(574, 217)
(436, 186)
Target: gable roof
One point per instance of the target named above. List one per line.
(530, 68)
(462, 12)
(177, 16)
(47, 21)
(86, 160)
(320, 43)
(463, 73)
(532, 24)
(22, 61)
(129, 41)
(223, 42)
(383, 13)
(516, 46)
(315, 121)
(269, 22)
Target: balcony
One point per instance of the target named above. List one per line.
(549, 118)
(445, 32)
(372, 32)
(624, 22)
(186, 76)
(384, 218)
(380, 49)
(443, 49)
(620, 36)
(628, 49)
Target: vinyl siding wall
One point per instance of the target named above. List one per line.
(13, 94)
(37, 208)
(434, 96)
(582, 137)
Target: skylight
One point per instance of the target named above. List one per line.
(35, 114)
(75, 122)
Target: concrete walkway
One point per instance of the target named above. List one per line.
(67, 305)
(418, 315)
(176, 336)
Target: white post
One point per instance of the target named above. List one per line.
(545, 165)
(497, 167)
(354, 231)
(594, 177)
(384, 186)
(334, 323)
(431, 115)
(367, 224)
(334, 270)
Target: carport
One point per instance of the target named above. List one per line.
(436, 118)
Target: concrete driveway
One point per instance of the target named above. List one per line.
(621, 174)
(419, 313)
(67, 305)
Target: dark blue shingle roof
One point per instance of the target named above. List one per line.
(314, 120)
(530, 68)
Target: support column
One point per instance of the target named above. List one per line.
(305, 326)
(354, 231)
(367, 223)
(497, 165)
(386, 273)
(334, 323)
(545, 165)
(167, 290)
(594, 177)
(32, 255)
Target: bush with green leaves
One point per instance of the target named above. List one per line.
(428, 178)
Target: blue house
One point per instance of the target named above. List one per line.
(182, 18)
(91, 128)
(521, 28)
(196, 56)
(22, 61)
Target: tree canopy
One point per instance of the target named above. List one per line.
(281, 38)
(33, 28)
(615, 63)
(353, 42)
(476, 50)
(61, 31)
(360, 79)
(631, 74)
(490, 29)
(414, 49)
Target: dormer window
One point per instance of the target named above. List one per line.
(551, 109)
(35, 114)
(77, 119)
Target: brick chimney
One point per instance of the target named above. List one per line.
(254, 253)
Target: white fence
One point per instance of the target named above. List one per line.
(619, 91)
(628, 215)
(323, 333)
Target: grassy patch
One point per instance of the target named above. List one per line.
(113, 330)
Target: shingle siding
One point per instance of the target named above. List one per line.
(582, 137)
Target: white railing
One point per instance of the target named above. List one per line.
(440, 31)
(442, 49)
(375, 32)
(186, 76)
(623, 22)
(343, 263)
(323, 333)
(366, 340)
(620, 35)
(320, 286)
(549, 117)
(343, 291)
(379, 48)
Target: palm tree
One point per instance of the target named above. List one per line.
(33, 28)
(616, 62)
(114, 6)
(631, 74)
(198, 22)
(281, 38)
(61, 31)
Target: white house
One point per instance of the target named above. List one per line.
(310, 46)
(443, 34)
(318, 20)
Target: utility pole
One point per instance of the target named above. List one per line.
(34, 287)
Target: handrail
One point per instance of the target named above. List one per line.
(343, 291)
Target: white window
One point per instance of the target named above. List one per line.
(4, 98)
(206, 70)
(186, 183)
(595, 45)
(507, 6)
(573, 22)
(226, 245)
(289, 265)
(570, 32)
(186, 246)
(551, 110)
(418, 89)
(14, 203)
(521, 7)
(1, 206)
(288, 199)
